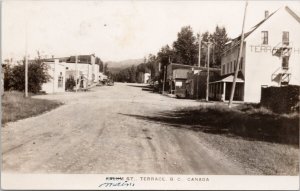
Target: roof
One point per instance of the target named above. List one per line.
(237, 41)
(229, 79)
(183, 66)
(61, 59)
(291, 12)
(81, 59)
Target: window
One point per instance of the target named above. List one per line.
(285, 38)
(241, 64)
(227, 68)
(235, 63)
(223, 69)
(264, 37)
(285, 62)
(60, 80)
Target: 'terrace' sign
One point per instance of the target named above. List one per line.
(269, 49)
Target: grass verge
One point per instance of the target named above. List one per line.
(15, 106)
(246, 121)
(256, 157)
(263, 142)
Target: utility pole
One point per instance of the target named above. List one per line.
(199, 59)
(239, 59)
(164, 79)
(53, 77)
(199, 64)
(207, 78)
(76, 72)
(88, 73)
(26, 61)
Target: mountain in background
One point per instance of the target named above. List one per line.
(116, 66)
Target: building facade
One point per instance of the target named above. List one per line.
(85, 70)
(270, 57)
(57, 73)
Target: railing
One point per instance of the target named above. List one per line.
(282, 49)
(282, 76)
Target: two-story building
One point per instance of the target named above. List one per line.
(60, 69)
(270, 57)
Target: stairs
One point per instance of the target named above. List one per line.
(282, 75)
(282, 49)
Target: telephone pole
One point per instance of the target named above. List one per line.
(26, 61)
(207, 78)
(199, 59)
(199, 64)
(165, 67)
(76, 72)
(239, 59)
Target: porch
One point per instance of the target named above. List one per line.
(220, 90)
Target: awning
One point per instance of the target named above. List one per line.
(229, 79)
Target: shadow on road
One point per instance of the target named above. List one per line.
(232, 123)
(143, 87)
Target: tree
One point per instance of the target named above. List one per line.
(205, 38)
(219, 38)
(100, 63)
(165, 55)
(152, 65)
(105, 69)
(37, 76)
(132, 74)
(185, 47)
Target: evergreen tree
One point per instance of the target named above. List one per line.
(219, 38)
(185, 47)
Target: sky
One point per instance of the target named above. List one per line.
(117, 30)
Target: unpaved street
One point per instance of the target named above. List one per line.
(103, 131)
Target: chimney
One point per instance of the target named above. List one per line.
(266, 14)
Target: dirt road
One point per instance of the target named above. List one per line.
(97, 132)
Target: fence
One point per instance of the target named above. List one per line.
(281, 99)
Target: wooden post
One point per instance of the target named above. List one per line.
(26, 75)
(199, 59)
(199, 64)
(207, 78)
(88, 74)
(54, 64)
(76, 71)
(164, 80)
(224, 91)
(26, 62)
(239, 60)
(197, 96)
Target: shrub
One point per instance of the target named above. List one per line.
(70, 83)
(281, 99)
(37, 75)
